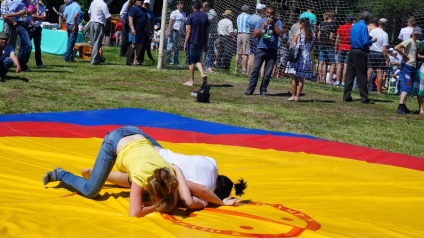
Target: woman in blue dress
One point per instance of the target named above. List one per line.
(301, 69)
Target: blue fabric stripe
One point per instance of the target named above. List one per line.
(139, 117)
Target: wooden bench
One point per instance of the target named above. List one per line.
(84, 51)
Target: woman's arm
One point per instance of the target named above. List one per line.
(294, 40)
(206, 194)
(188, 200)
(137, 209)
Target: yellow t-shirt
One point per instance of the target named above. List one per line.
(139, 159)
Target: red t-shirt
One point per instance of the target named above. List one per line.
(118, 26)
(344, 35)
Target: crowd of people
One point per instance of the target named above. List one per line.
(355, 52)
(342, 53)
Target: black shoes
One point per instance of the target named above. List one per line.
(368, 101)
(402, 109)
(347, 100)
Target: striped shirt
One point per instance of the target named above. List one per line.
(243, 23)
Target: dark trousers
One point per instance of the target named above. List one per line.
(36, 37)
(146, 47)
(269, 56)
(224, 44)
(356, 67)
(124, 39)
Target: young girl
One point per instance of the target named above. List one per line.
(148, 172)
(303, 67)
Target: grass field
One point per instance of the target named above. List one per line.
(64, 86)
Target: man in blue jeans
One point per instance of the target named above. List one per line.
(267, 30)
(7, 57)
(19, 17)
(196, 40)
(73, 15)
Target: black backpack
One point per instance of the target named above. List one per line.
(203, 94)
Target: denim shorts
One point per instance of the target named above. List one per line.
(327, 53)
(194, 53)
(407, 78)
(342, 56)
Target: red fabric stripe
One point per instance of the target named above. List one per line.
(281, 143)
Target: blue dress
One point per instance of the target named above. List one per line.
(303, 67)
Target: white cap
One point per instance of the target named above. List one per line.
(391, 49)
(147, 1)
(260, 7)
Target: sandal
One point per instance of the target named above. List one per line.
(291, 98)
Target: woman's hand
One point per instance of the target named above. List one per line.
(230, 201)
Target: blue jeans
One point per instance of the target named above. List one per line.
(25, 47)
(72, 38)
(5, 66)
(173, 45)
(104, 163)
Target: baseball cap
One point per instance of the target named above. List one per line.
(349, 17)
(391, 49)
(147, 1)
(260, 7)
(382, 20)
(3, 35)
(417, 30)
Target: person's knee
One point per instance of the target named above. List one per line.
(91, 193)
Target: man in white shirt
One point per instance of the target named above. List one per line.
(224, 41)
(406, 32)
(99, 13)
(176, 26)
(378, 57)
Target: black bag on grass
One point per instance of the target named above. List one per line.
(203, 94)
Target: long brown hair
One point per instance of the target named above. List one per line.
(307, 29)
(163, 189)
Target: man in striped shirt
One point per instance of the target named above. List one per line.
(243, 39)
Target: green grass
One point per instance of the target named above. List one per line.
(80, 86)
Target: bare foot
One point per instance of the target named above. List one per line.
(188, 83)
(86, 173)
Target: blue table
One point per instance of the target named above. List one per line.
(54, 41)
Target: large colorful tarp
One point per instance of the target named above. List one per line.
(299, 185)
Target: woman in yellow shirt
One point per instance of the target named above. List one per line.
(149, 172)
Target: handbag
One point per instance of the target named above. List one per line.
(294, 51)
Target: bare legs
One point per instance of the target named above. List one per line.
(296, 88)
(191, 74)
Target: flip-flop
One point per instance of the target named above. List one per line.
(188, 84)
